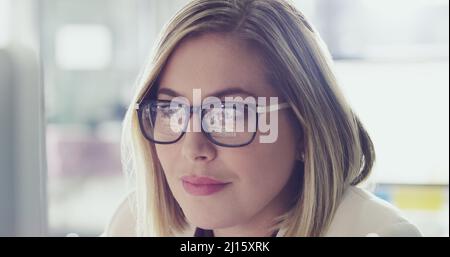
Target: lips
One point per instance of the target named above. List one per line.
(202, 186)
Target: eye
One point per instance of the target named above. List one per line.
(167, 110)
(237, 112)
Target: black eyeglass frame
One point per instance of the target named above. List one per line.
(193, 109)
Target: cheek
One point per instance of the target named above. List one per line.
(272, 159)
(263, 169)
(166, 155)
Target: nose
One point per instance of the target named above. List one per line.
(195, 146)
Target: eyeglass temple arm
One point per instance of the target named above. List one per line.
(272, 108)
(260, 109)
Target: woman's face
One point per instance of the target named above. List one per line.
(256, 175)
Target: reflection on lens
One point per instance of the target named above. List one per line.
(230, 125)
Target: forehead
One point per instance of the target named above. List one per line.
(214, 63)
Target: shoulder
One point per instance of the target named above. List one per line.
(361, 213)
(123, 220)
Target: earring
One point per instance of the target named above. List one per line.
(301, 156)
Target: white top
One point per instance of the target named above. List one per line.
(360, 213)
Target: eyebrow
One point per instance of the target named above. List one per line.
(221, 93)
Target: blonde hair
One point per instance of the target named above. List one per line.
(338, 150)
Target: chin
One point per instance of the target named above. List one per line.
(209, 221)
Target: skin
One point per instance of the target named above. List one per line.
(262, 178)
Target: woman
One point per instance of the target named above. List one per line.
(295, 175)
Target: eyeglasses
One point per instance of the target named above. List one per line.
(228, 124)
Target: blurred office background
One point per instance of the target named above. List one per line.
(67, 70)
